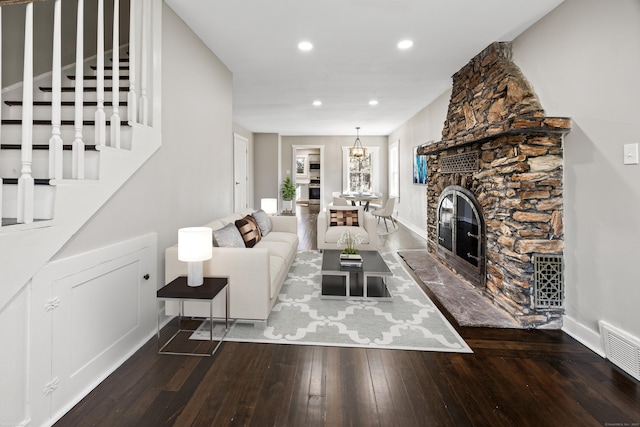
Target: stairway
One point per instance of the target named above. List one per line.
(72, 182)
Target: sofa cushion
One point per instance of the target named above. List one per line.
(228, 237)
(264, 222)
(249, 230)
(342, 217)
(333, 233)
(282, 236)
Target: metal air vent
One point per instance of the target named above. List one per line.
(456, 163)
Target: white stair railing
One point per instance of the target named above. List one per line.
(132, 101)
(115, 78)
(100, 116)
(26, 182)
(144, 77)
(55, 142)
(0, 111)
(144, 16)
(77, 168)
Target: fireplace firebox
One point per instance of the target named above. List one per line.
(461, 237)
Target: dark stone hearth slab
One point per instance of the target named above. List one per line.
(464, 301)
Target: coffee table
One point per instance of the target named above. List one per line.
(366, 282)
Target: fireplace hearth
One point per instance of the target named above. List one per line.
(495, 185)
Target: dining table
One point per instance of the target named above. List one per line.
(361, 198)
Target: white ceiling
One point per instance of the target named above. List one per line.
(354, 59)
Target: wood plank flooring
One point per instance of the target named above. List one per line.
(513, 378)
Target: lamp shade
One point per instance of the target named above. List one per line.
(195, 243)
(269, 205)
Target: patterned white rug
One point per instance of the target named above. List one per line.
(410, 321)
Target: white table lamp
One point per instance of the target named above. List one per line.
(194, 246)
(269, 206)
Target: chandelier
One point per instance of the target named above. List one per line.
(357, 151)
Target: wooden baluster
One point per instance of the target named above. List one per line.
(26, 183)
(1, 110)
(132, 102)
(145, 38)
(78, 144)
(55, 142)
(100, 116)
(115, 85)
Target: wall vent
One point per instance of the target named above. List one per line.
(548, 281)
(459, 163)
(621, 348)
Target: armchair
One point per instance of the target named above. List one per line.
(337, 219)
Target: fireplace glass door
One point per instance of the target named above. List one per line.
(460, 231)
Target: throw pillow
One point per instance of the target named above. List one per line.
(228, 237)
(249, 231)
(264, 222)
(343, 217)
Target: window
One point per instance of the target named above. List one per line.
(361, 175)
(394, 169)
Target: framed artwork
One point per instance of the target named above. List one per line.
(301, 165)
(419, 167)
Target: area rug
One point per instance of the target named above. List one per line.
(409, 321)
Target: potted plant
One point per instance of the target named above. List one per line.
(288, 191)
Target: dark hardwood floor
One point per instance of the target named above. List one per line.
(513, 378)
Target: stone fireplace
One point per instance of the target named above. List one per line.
(495, 192)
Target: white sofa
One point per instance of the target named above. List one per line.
(367, 229)
(255, 274)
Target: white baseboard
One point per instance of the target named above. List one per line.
(419, 231)
(587, 337)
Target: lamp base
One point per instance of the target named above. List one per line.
(195, 275)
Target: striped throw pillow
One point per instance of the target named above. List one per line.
(249, 231)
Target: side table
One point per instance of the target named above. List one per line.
(180, 291)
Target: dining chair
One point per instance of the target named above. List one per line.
(386, 212)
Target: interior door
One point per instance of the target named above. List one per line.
(240, 172)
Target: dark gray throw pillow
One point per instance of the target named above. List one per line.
(263, 220)
(228, 237)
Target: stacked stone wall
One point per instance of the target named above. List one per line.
(519, 181)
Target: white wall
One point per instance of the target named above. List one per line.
(189, 181)
(425, 126)
(583, 62)
(265, 166)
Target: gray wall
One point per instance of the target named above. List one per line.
(265, 165)
(189, 180)
(583, 61)
(425, 126)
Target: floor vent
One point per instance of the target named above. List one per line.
(621, 348)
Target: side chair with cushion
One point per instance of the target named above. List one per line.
(338, 219)
(386, 212)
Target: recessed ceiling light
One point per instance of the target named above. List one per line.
(317, 103)
(405, 44)
(373, 102)
(305, 46)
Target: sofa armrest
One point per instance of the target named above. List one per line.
(322, 226)
(284, 223)
(249, 276)
(370, 224)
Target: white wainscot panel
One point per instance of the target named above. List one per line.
(98, 309)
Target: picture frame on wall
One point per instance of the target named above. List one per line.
(301, 165)
(419, 167)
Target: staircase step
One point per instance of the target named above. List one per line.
(62, 122)
(37, 181)
(66, 147)
(65, 103)
(96, 77)
(86, 89)
(110, 68)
